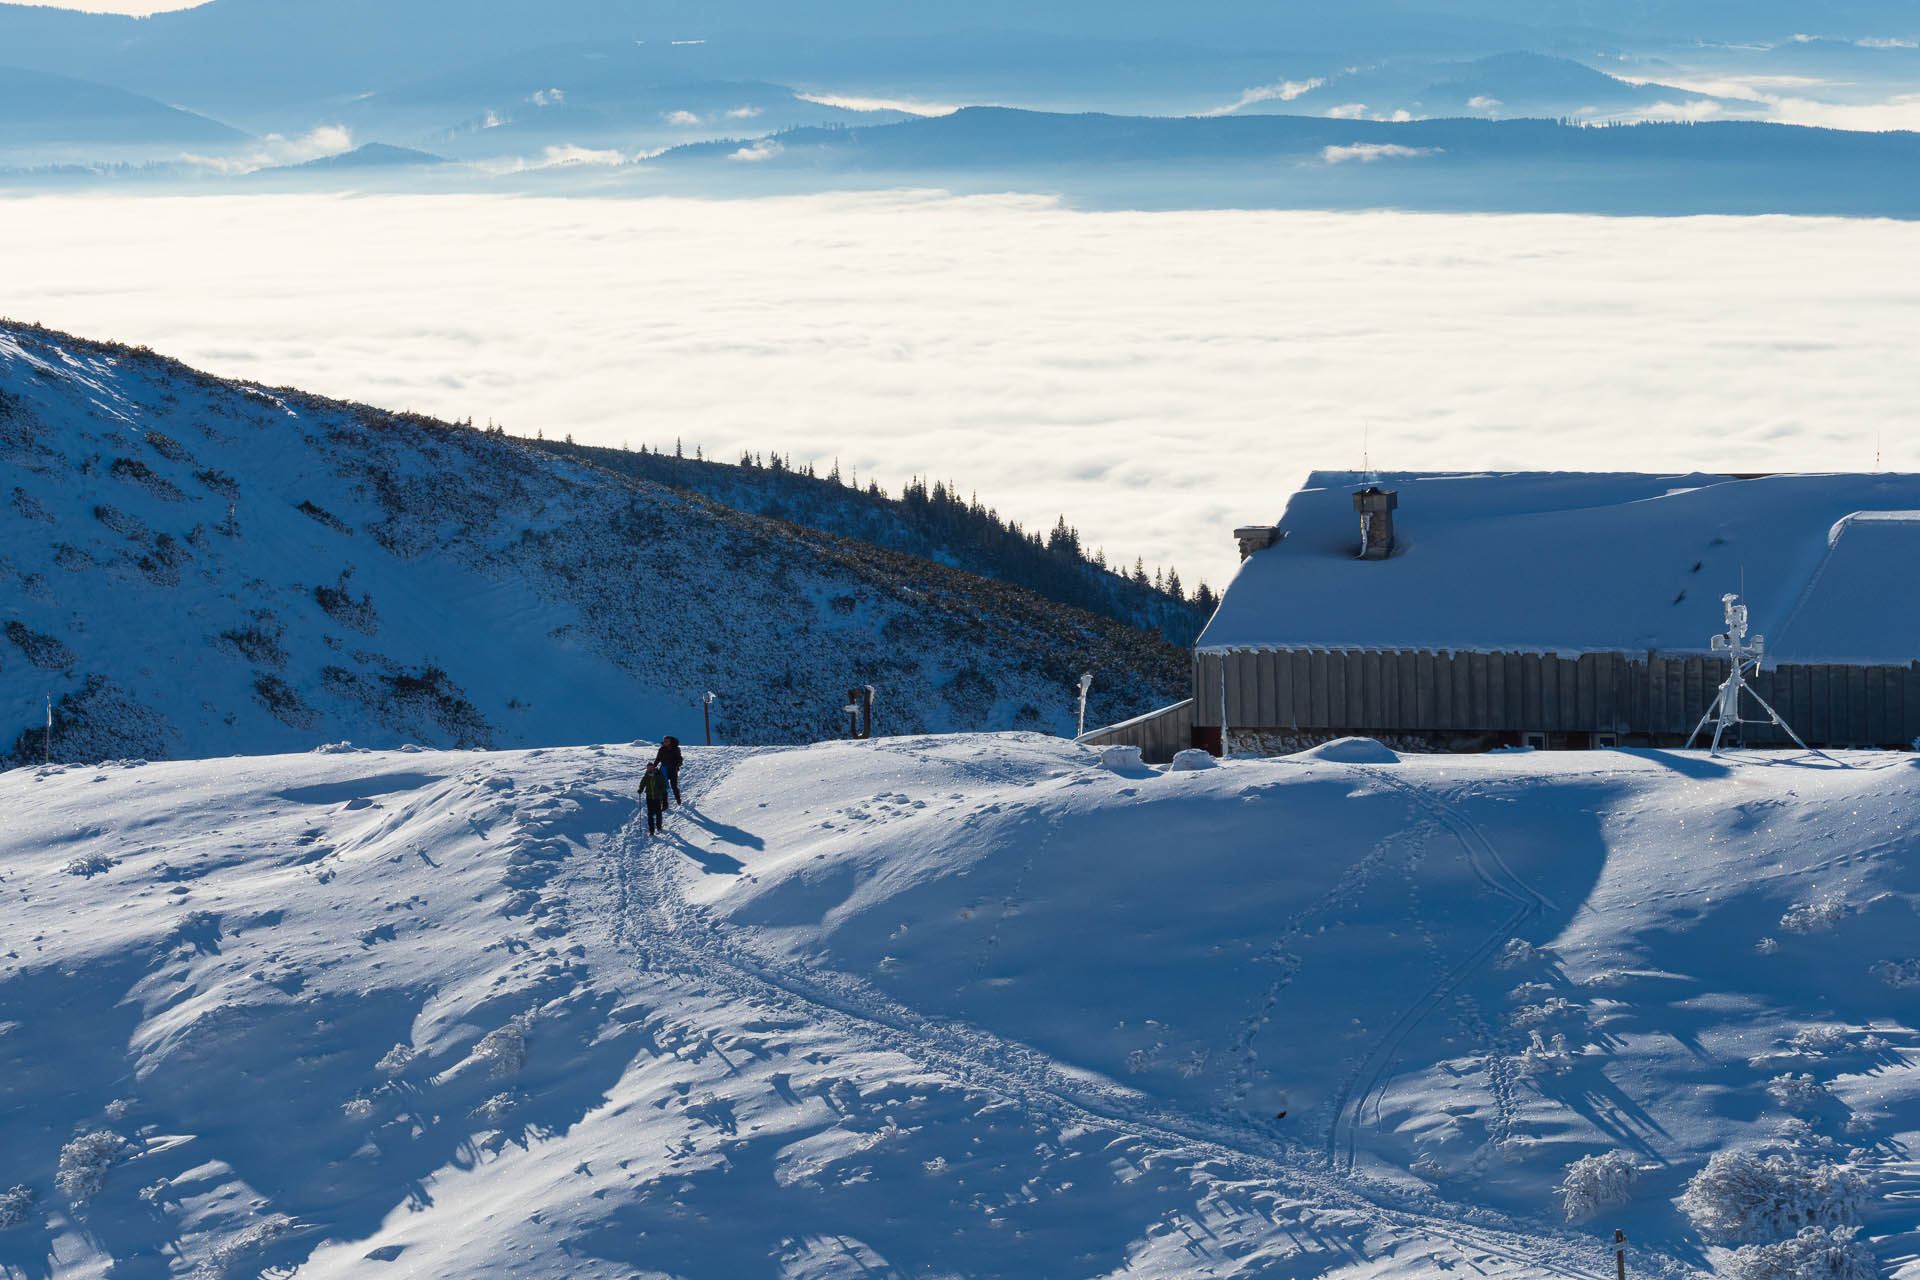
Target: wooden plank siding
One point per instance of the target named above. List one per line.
(1646, 694)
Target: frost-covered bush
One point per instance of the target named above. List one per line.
(1543, 1056)
(221, 1261)
(1798, 1092)
(396, 1061)
(1817, 1042)
(357, 1109)
(1593, 1183)
(1766, 946)
(1808, 917)
(497, 1110)
(1533, 1015)
(15, 1205)
(505, 1049)
(90, 865)
(1517, 953)
(1814, 1254)
(1742, 1196)
(84, 1163)
(1897, 973)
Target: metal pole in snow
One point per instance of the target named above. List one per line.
(46, 750)
(706, 715)
(1619, 1254)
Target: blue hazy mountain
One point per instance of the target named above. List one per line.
(622, 94)
(372, 155)
(1309, 161)
(42, 112)
(245, 53)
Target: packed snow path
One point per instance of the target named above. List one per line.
(942, 1006)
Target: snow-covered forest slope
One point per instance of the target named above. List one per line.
(196, 567)
(968, 1005)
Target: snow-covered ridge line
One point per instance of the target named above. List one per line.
(194, 566)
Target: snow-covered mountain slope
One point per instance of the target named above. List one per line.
(959, 1006)
(385, 578)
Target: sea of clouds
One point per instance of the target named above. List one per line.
(1158, 377)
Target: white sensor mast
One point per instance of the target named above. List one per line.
(1744, 654)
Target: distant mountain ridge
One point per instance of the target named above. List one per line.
(1729, 167)
(191, 566)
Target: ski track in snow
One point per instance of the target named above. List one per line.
(1360, 1098)
(680, 939)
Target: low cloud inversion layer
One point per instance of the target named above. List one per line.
(1159, 377)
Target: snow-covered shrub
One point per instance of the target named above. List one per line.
(357, 1108)
(497, 1110)
(1808, 917)
(84, 1163)
(221, 1261)
(1543, 1056)
(1517, 953)
(1741, 1196)
(118, 1108)
(396, 1061)
(15, 1205)
(90, 865)
(1533, 1015)
(1897, 973)
(1593, 1183)
(1766, 946)
(1798, 1092)
(1814, 1254)
(1817, 1042)
(505, 1049)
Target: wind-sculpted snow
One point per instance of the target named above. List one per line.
(199, 567)
(962, 1005)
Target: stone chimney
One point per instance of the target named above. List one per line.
(1375, 506)
(1256, 538)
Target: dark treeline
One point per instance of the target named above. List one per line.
(929, 520)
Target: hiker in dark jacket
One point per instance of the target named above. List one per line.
(653, 790)
(668, 758)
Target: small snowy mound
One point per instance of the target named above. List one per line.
(1190, 759)
(1352, 751)
(1120, 759)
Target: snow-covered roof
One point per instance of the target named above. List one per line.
(1589, 562)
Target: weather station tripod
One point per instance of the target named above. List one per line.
(1746, 655)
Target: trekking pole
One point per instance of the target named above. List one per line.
(1619, 1254)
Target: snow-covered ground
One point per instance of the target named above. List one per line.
(949, 1006)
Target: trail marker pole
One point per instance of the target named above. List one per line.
(706, 715)
(1086, 686)
(1619, 1254)
(859, 712)
(46, 749)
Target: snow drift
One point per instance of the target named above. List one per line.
(965, 1005)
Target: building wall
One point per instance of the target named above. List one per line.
(1158, 734)
(1648, 696)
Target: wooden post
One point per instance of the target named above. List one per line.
(1619, 1254)
(859, 711)
(706, 715)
